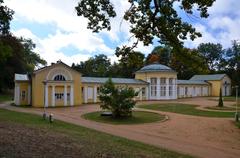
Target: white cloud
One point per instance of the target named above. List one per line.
(222, 26)
(71, 29)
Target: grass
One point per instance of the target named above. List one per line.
(230, 98)
(220, 108)
(187, 110)
(89, 141)
(138, 117)
(237, 124)
(5, 97)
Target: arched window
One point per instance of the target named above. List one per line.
(59, 78)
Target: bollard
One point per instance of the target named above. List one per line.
(51, 118)
(236, 117)
(44, 115)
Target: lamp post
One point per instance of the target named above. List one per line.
(236, 114)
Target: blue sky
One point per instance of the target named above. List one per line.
(60, 34)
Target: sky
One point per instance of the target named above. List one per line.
(59, 34)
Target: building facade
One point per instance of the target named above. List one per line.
(60, 85)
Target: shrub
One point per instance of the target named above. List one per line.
(119, 100)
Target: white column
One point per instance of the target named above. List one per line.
(158, 88)
(71, 96)
(65, 95)
(46, 95)
(53, 95)
(167, 88)
(85, 94)
(17, 94)
(95, 94)
(141, 93)
(175, 88)
(147, 93)
(29, 94)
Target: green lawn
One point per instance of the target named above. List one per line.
(187, 110)
(84, 141)
(5, 97)
(238, 124)
(230, 98)
(220, 108)
(138, 117)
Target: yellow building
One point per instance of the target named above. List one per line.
(60, 85)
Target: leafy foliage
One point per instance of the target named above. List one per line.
(161, 54)
(18, 58)
(212, 54)
(148, 18)
(98, 13)
(118, 100)
(6, 15)
(97, 66)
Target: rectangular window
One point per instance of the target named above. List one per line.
(170, 90)
(163, 91)
(153, 91)
(59, 96)
(153, 87)
(23, 97)
(68, 96)
(162, 81)
(98, 90)
(90, 93)
(170, 81)
(143, 91)
(186, 90)
(153, 81)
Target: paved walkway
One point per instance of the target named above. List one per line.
(198, 136)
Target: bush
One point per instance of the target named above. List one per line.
(119, 100)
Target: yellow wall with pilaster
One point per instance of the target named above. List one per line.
(38, 86)
(23, 86)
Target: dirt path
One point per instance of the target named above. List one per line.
(200, 136)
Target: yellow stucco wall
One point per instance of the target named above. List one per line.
(23, 86)
(38, 87)
(215, 87)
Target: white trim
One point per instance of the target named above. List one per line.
(85, 94)
(71, 96)
(46, 95)
(55, 72)
(53, 95)
(65, 95)
(167, 88)
(158, 88)
(95, 94)
(17, 94)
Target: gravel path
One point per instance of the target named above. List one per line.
(198, 136)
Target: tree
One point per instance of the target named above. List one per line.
(130, 62)
(220, 100)
(97, 66)
(188, 63)
(118, 100)
(148, 19)
(6, 16)
(212, 54)
(233, 62)
(20, 59)
(163, 53)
